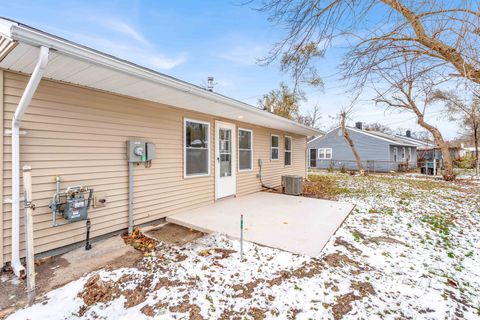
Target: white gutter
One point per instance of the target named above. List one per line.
(36, 37)
(22, 107)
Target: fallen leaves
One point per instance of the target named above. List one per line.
(97, 290)
(218, 253)
(139, 241)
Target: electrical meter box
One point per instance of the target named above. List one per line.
(140, 151)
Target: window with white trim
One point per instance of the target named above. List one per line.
(288, 151)
(245, 149)
(409, 154)
(395, 154)
(325, 153)
(197, 148)
(274, 147)
(404, 153)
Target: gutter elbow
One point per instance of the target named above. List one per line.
(43, 58)
(15, 122)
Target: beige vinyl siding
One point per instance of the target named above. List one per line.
(272, 170)
(80, 134)
(1, 169)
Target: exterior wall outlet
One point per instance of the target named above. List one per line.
(100, 200)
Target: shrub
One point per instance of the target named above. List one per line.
(467, 162)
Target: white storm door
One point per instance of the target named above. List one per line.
(225, 161)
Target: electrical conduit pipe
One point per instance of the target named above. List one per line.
(22, 107)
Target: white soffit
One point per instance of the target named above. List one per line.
(75, 64)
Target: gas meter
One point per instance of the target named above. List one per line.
(71, 204)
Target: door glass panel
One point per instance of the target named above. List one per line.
(225, 142)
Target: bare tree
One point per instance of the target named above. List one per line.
(378, 127)
(284, 102)
(408, 87)
(343, 117)
(310, 118)
(439, 36)
(443, 33)
(467, 114)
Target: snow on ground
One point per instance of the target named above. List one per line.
(410, 249)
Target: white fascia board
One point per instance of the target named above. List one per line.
(35, 37)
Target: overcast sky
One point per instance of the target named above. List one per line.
(192, 40)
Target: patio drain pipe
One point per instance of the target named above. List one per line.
(22, 107)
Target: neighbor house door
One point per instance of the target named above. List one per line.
(225, 164)
(313, 158)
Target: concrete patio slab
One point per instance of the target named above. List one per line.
(296, 224)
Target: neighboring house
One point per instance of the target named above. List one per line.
(89, 104)
(378, 151)
(427, 150)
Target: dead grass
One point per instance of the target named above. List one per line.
(174, 234)
(343, 303)
(322, 187)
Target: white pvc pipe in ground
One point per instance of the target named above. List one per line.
(30, 255)
(22, 107)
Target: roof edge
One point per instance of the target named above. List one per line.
(406, 143)
(409, 144)
(26, 34)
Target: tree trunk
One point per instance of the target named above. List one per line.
(448, 173)
(350, 142)
(477, 158)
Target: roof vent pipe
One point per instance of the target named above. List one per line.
(210, 83)
(359, 125)
(22, 107)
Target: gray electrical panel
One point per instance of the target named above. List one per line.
(140, 151)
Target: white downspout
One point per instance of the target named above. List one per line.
(22, 107)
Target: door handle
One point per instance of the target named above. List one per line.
(218, 159)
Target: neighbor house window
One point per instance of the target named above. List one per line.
(245, 149)
(274, 147)
(325, 153)
(197, 148)
(395, 154)
(409, 153)
(404, 153)
(288, 151)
